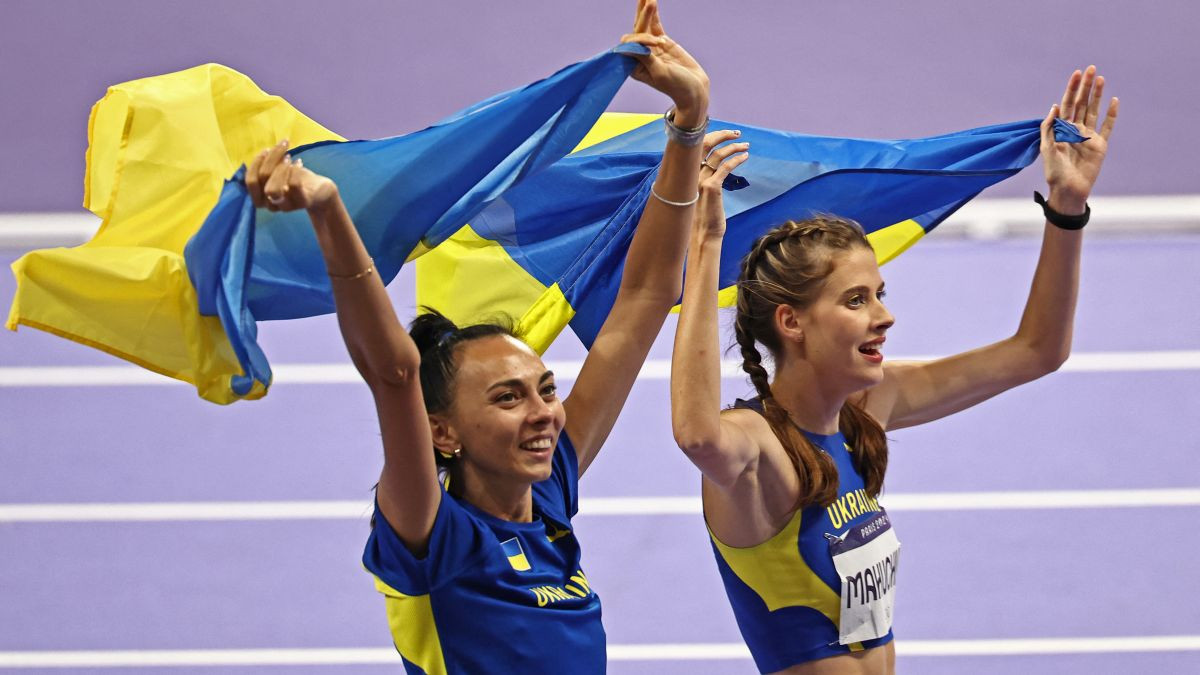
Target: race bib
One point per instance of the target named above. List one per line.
(865, 558)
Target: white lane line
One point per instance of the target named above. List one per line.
(1041, 499)
(980, 218)
(654, 369)
(588, 506)
(634, 652)
(196, 657)
(184, 511)
(1018, 646)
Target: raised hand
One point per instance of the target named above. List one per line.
(717, 165)
(278, 183)
(669, 68)
(1072, 168)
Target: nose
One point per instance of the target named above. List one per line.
(883, 318)
(540, 412)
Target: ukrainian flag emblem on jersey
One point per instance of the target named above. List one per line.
(516, 554)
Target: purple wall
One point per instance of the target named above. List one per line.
(370, 68)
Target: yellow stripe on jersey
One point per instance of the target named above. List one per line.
(776, 572)
(410, 618)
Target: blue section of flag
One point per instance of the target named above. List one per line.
(502, 165)
(399, 191)
(572, 224)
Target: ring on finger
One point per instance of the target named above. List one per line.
(275, 199)
(708, 166)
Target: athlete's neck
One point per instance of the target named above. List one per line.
(502, 499)
(812, 406)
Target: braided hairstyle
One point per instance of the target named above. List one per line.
(788, 266)
(437, 339)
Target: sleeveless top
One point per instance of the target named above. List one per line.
(786, 593)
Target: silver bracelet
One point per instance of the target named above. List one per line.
(671, 203)
(688, 138)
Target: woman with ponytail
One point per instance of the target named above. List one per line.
(482, 573)
(792, 477)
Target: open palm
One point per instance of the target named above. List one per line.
(1072, 168)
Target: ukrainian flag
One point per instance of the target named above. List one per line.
(515, 554)
(183, 266)
(158, 151)
(558, 241)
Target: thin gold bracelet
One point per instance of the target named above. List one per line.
(351, 277)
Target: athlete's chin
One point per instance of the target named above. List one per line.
(542, 473)
(864, 377)
(874, 375)
(536, 469)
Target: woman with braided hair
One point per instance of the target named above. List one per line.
(791, 477)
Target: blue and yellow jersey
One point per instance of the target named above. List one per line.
(785, 592)
(493, 596)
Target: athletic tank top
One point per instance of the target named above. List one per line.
(786, 592)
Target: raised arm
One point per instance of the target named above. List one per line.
(915, 393)
(383, 352)
(654, 265)
(720, 447)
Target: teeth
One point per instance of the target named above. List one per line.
(540, 444)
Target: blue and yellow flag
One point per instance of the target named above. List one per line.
(183, 265)
(159, 150)
(550, 251)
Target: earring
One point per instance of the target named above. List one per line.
(454, 454)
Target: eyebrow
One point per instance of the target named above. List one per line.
(517, 382)
(857, 289)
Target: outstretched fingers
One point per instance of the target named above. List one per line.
(656, 26)
(714, 138)
(722, 159)
(641, 17)
(1080, 106)
(718, 156)
(727, 165)
(1110, 119)
(1066, 107)
(1093, 103)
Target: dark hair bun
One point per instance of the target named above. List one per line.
(429, 328)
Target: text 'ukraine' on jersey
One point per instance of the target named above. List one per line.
(786, 592)
(491, 595)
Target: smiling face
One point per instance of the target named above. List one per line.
(841, 333)
(505, 413)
